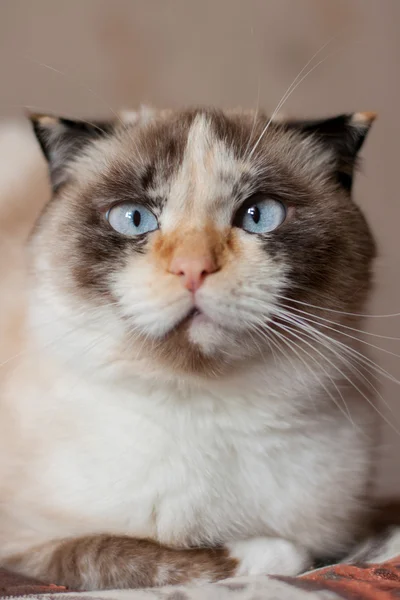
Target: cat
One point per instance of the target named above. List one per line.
(182, 404)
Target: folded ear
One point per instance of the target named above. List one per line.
(344, 135)
(62, 139)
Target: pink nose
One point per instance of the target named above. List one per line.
(193, 271)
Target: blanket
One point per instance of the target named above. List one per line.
(371, 572)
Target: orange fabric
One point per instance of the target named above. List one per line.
(357, 582)
(17, 585)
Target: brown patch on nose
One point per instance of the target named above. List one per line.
(199, 251)
(232, 242)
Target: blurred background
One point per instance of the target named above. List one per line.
(89, 58)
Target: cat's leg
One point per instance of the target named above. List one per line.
(107, 562)
(272, 556)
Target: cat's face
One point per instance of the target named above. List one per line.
(182, 235)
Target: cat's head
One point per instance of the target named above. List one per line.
(180, 238)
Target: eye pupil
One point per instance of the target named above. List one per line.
(136, 218)
(254, 211)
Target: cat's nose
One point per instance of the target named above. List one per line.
(192, 271)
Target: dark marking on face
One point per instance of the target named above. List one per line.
(99, 251)
(147, 178)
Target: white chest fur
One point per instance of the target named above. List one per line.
(183, 467)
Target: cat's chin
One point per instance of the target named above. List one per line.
(197, 318)
(207, 335)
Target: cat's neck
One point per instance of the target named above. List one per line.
(64, 366)
(256, 396)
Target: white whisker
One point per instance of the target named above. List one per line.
(290, 344)
(295, 83)
(342, 373)
(359, 355)
(254, 121)
(348, 335)
(318, 335)
(361, 331)
(339, 312)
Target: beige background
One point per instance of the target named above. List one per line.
(116, 53)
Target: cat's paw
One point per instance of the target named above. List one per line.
(269, 556)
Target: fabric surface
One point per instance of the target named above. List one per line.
(372, 572)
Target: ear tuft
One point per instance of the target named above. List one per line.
(364, 118)
(61, 140)
(344, 135)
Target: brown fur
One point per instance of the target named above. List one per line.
(191, 243)
(111, 562)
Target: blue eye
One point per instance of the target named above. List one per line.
(131, 219)
(260, 216)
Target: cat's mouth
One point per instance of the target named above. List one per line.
(194, 315)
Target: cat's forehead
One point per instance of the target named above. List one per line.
(198, 163)
(210, 170)
(190, 162)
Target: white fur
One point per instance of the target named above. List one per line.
(269, 555)
(203, 464)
